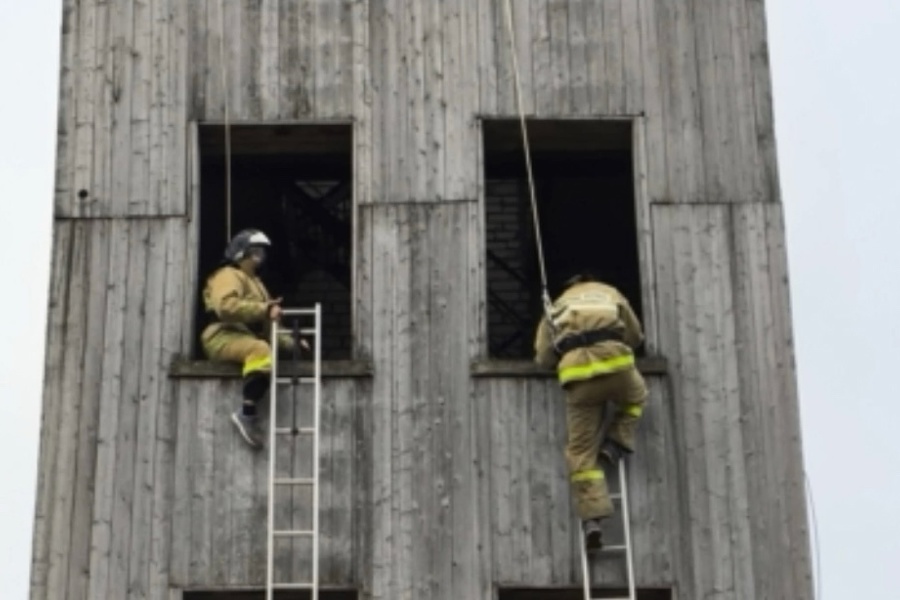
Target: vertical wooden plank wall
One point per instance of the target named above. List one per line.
(218, 501)
(108, 414)
(723, 307)
(423, 527)
(532, 539)
(437, 485)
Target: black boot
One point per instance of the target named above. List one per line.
(611, 452)
(593, 535)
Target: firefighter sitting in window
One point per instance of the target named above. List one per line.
(590, 342)
(243, 315)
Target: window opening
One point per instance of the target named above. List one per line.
(294, 182)
(583, 172)
(577, 593)
(326, 594)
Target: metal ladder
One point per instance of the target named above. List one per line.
(276, 433)
(622, 499)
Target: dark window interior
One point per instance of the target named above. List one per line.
(585, 194)
(325, 594)
(294, 182)
(578, 593)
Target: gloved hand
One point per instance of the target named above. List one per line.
(286, 343)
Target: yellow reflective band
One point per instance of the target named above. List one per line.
(594, 475)
(635, 410)
(257, 364)
(597, 367)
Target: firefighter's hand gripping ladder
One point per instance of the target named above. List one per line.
(290, 435)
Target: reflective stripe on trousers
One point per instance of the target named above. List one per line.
(588, 475)
(596, 367)
(257, 364)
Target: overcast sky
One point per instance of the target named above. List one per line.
(836, 67)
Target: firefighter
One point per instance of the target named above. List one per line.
(243, 313)
(591, 342)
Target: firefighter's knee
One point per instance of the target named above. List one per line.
(257, 358)
(633, 409)
(255, 386)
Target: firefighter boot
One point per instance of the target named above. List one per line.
(593, 534)
(611, 452)
(249, 428)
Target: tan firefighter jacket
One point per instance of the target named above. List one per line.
(589, 307)
(240, 303)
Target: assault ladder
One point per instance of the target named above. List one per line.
(290, 435)
(620, 498)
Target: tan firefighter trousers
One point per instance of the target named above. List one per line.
(586, 403)
(251, 352)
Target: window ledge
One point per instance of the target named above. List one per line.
(186, 368)
(648, 365)
(183, 368)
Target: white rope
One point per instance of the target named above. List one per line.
(815, 536)
(545, 296)
(227, 125)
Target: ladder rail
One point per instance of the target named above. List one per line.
(317, 398)
(270, 502)
(626, 527)
(314, 431)
(585, 568)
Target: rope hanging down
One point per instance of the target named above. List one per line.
(545, 295)
(227, 125)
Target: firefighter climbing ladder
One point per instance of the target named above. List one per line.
(280, 435)
(621, 498)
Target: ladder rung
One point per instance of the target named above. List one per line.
(620, 548)
(292, 586)
(293, 380)
(293, 533)
(291, 312)
(292, 430)
(301, 331)
(617, 497)
(294, 481)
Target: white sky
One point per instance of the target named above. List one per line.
(836, 66)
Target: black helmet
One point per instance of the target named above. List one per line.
(574, 276)
(583, 276)
(239, 245)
